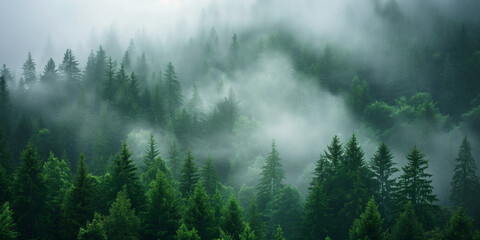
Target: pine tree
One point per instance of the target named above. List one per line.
(359, 95)
(173, 91)
(174, 159)
(153, 162)
(465, 183)
(162, 216)
(254, 220)
(407, 226)
(109, 86)
(29, 70)
(383, 168)
(69, 69)
(271, 178)
(195, 108)
(209, 176)
(415, 186)
(460, 226)
(286, 211)
(317, 212)
(322, 172)
(232, 223)
(279, 234)
(50, 73)
(247, 234)
(217, 207)
(151, 152)
(5, 188)
(124, 174)
(99, 69)
(121, 223)
(184, 234)
(5, 107)
(335, 152)
(7, 225)
(189, 176)
(142, 68)
(7, 74)
(79, 207)
(369, 224)
(354, 155)
(199, 214)
(28, 203)
(93, 230)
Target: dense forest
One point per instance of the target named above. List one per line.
(266, 130)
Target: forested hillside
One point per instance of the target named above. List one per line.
(313, 120)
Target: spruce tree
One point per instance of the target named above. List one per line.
(271, 178)
(233, 223)
(122, 223)
(173, 91)
(317, 214)
(69, 69)
(7, 74)
(254, 220)
(79, 206)
(6, 161)
(174, 159)
(199, 214)
(369, 224)
(217, 207)
(184, 234)
(286, 210)
(93, 230)
(29, 195)
(209, 176)
(247, 234)
(151, 152)
(124, 174)
(162, 217)
(7, 224)
(5, 107)
(465, 183)
(195, 108)
(153, 163)
(383, 168)
(279, 233)
(407, 227)
(188, 176)
(5, 186)
(29, 70)
(460, 226)
(109, 85)
(335, 152)
(50, 72)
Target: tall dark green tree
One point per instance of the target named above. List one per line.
(317, 213)
(124, 174)
(209, 176)
(162, 217)
(8, 229)
(50, 72)
(69, 69)
(7, 74)
(232, 218)
(247, 234)
(173, 90)
(79, 206)
(335, 152)
(188, 175)
(286, 210)
(153, 163)
(175, 159)
(183, 233)
(383, 169)
(122, 223)
(199, 214)
(359, 95)
(407, 227)
(465, 183)
(109, 86)
(29, 195)
(271, 178)
(369, 224)
(460, 226)
(29, 70)
(254, 219)
(93, 230)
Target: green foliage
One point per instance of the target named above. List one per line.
(173, 90)
(188, 175)
(184, 234)
(460, 226)
(7, 225)
(286, 210)
(359, 95)
(271, 178)
(199, 214)
(50, 72)
(174, 159)
(369, 224)
(5, 107)
(69, 68)
(279, 234)
(233, 220)
(29, 70)
(121, 223)
(254, 220)
(407, 227)
(93, 230)
(317, 213)
(153, 163)
(162, 217)
(379, 115)
(209, 176)
(247, 234)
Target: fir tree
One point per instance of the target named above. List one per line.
(232, 223)
(247, 234)
(7, 74)
(184, 234)
(199, 214)
(383, 168)
(286, 211)
(121, 223)
(29, 71)
(173, 91)
(217, 207)
(93, 230)
(195, 108)
(335, 152)
(162, 216)
(109, 86)
(29, 201)
(151, 152)
(209, 176)
(369, 224)
(153, 162)
(460, 226)
(7, 225)
(465, 183)
(69, 69)
(5, 109)
(271, 178)
(50, 73)
(279, 234)
(316, 220)
(254, 220)
(407, 226)
(174, 159)
(189, 176)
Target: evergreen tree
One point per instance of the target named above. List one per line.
(232, 223)
(271, 178)
(199, 214)
(184, 234)
(359, 95)
(5, 107)
(162, 217)
(383, 168)
(209, 176)
(6, 161)
(69, 68)
(354, 155)
(50, 73)
(124, 174)
(286, 211)
(369, 224)
(121, 223)
(100, 69)
(5, 191)
(254, 220)
(7, 74)
(279, 234)
(174, 159)
(173, 91)
(323, 170)
(29, 71)
(79, 207)
(142, 68)
(217, 207)
(407, 226)
(93, 230)
(465, 183)
(7, 225)
(28, 203)
(189, 176)
(195, 108)
(335, 152)
(415, 186)
(247, 234)
(460, 226)
(109, 86)
(153, 162)
(151, 152)
(316, 220)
